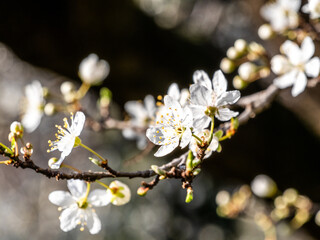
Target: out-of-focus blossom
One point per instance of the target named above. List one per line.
(211, 98)
(313, 8)
(172, 127)
(295, 66)
(263, 186)
(93, 71)
(67, 137)
(141, 115)
(77, 206)
(33, 109)
(180, 96)
(282, 14)
(118, 193)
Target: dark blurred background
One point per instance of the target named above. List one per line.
(149, 44)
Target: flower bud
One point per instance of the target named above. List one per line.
(49, 109)
(27, 150)
(239, 83)
(265, 32)
(158, 170)
(255, 49)
(222, 198)
(142, 191)
(263, 186)
(189, 196)
(247, 71)
(52, 161)
(232, 53)
(95, 161)
(67, 87)
(227, 65)
(17, 129)
(105, 96)
(240, 45)
(196, 171)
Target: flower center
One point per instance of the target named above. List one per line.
(82, 203)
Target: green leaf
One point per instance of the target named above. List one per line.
(218, 134)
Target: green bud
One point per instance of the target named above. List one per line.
(235, 123)
(158, 170)
(105, 96)
(218, 134)
(196, 171)
(142, 191)
(95, 161)
(195, 162)
(189, 196)
(227, 65)
(239, 83)
(17, 129)
(219, 149)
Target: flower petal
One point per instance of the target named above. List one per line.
(173, 91)
(187, 120)
(68, 218)
(307, 48)
(202, 78)
(186, 138)
(286, 80)
(150, 105)
(98, 198)
(57, 164)
(135, 109)
(312, 67)
(225, 114)
(124, 190)
(230, 97)
(78, 123)
(171, 103)
(61, 198)
(300, 84)
(93, 221)
(166, 149)
(292, 50)
(77, 187)
(155, 135)
(200, 95)
(219, 83)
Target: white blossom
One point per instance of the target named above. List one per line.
(118, 193)
(33, 109)
(263, 186)
(172, 127)
(282, 14)
(141, 115)
(313, 8)
(204, 136)
(295, 66)
(180, 96)
(77, 206)
(208, 98)
(66, 137)
(92, 70)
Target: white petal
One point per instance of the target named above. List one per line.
(292, 50)
(187, 120)
(31, 120)
(307, 48)
(300, 84)
(61, 198)
(225, 114)
(306, 8)
(141, 142)
(219, 83)
(77, 187)
(78, 123)
(186, 138)
(150, 105)
(57, 164)
(98, 198)
(174, 91)
(312, 67)
(118, 201)
(230, 97)
(169, 102)
(93, 222)
(201, 123)
(155, 135)
(200, 95)
(293, 5)
(166, 149)
(135, 109)
(184, 96)
(67, 218)
(201, 77)
(129, 133)
(286, 80)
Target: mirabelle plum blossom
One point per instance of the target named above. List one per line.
(282, 14)
(295, 65)
(92, 70)
(67, 137)
(118, 193)
(33, 109)
(211, 98)
(181, 96)
(77, 206)
(141, 115)
(313, 8)
(172, 127)
(204, 136)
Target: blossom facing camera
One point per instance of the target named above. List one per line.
(172, 127)
(295, 66)
(210, 98)
(118, 193)
(93, 71)
(77, 204)
(33, 108)
(67, 137)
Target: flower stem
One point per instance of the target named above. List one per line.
(70, 167)
(82, 90)
(211, 130)
(196, 137)
(102, 184)
(87, 192)
(92, 151)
